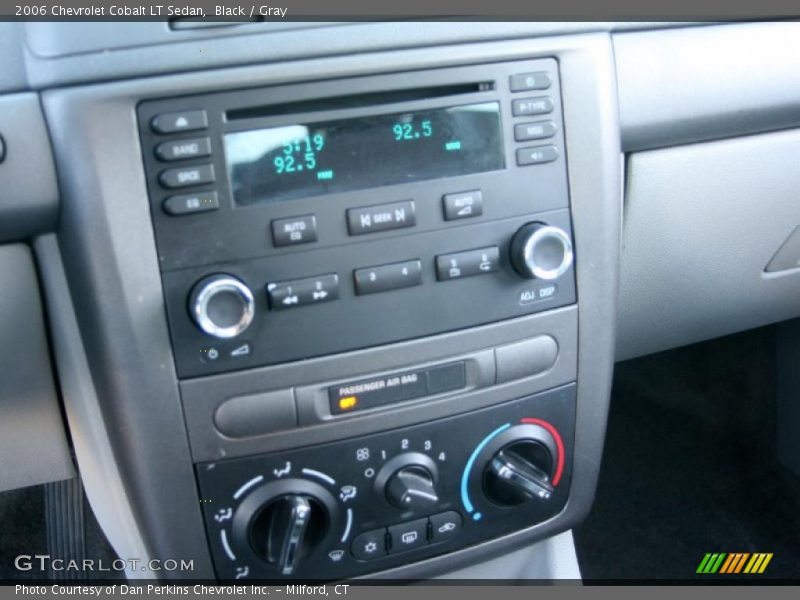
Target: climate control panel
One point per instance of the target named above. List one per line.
(368, 504)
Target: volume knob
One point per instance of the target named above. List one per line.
(540, 251)
(221, 306)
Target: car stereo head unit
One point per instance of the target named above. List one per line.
(291, 224)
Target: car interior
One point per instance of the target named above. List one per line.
(399, 301)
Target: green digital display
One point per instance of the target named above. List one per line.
(296, 161)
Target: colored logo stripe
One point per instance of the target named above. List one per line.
(758, 563)
(711, 562)
(734, 562)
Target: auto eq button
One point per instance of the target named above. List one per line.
(294, 230)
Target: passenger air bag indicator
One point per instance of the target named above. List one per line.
(396, 387)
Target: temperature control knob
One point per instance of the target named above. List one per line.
(221, 306)
(540, 251)
(408, 482)
(521, 467)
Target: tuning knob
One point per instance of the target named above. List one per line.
(221, 306)
(408, 482)
(540, 251)
(522, 469)
(285, 521)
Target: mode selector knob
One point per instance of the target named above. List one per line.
(221, 306)
(541, 251)
(408, 482)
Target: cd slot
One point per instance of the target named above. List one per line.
(359, 100)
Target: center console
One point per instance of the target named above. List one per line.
(368, 309)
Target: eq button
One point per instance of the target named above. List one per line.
(383, 217)
(188, 204)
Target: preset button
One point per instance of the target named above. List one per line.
(302, 292)
(388, 277)
(468, 263)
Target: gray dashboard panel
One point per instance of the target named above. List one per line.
(703, 83)
(12, 74)
(33, 445)
(52, 63)
(110, 259)
(28, 188)
(701, 224)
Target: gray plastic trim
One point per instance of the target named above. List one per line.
(28, 188)
(701, 223)
(704, 83)
(91, 441)
(13, 77)
(107, 236)
(551, 559)
(261, 46)
(311, 378)
(33, 445)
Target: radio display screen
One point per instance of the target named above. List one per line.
(302, 160)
